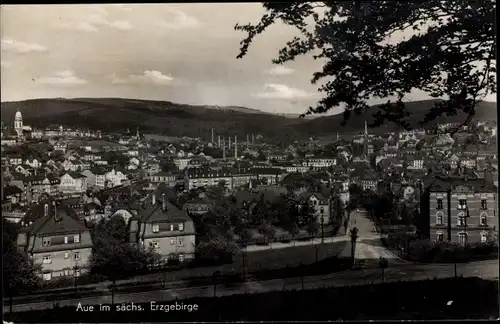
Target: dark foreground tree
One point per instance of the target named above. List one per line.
(19, 271)
(387, 49)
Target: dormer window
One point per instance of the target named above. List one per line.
(76, 238)
(181, 227)
(46, 241)
(156, 228)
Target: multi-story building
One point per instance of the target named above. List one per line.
(164, 177)
(320, 162)
(164, 228)
(462, 210)
(59, 243)
(181, 162)
(269, 176)
(73, 182)
(206, 177)
(320, 204)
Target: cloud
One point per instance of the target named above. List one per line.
(148, 77)
(66, 77)
(180, 21)
(21, 47)
(93, 22)
(281, 91)
(121, 25)
(6, 64)
(280, 70)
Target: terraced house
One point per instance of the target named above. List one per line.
(164, 228)
(58, 242)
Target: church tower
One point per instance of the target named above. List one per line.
(18, 123)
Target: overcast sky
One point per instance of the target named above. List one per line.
(183, 53)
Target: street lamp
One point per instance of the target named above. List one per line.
(383, 263)
(322, 227)
(214, 279)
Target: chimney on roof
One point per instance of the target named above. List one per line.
(164, 202)
(46, 210)
(153, 199)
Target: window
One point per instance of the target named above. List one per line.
(66, 272)
(484, 220)
(172, 227)
(462, 238)
(76, 256)
(181, 226)
(46, 241)
(77, 272)
(484, 237)
(181, 242)
(172, 241)
(440, 204)
(76, 238)
(47, 276)
(156, 228)
(66, 255)
(484, 204)
(439, 219)
(181, 257)
(462, 204)
(47, 259)
(65, 240)
(461, 221)
(440, 237)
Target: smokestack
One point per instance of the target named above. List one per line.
(164, 202)
(235, 147)
(248, 142)
(229, 143)
(218, 141)
(212, 135)
(253, 138)
(46, 210)
(153, 199)
(223, 148)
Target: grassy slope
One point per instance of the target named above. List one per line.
(163, 117)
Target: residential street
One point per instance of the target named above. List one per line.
(483, 269)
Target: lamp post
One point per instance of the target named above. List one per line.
(322, 227)
(214, 279)
(383, 263)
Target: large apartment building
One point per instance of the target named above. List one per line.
(61, 244)
(462, 210)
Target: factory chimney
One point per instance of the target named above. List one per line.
(223, 148)
(229, 143)
(235, 147)
(212, 135)
(218, 141)
(253, 138)
(248, 142)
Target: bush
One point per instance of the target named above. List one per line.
(426, 251)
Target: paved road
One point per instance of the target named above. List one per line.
(483, 269)
(368, 248)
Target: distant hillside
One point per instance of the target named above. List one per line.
(163, 117)
(331, 124)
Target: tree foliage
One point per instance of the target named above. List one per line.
(113, 255)
(19, 271)
(449, 54)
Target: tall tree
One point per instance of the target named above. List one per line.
(451, 54)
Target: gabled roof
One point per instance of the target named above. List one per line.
(47, 225)
(155, 214)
